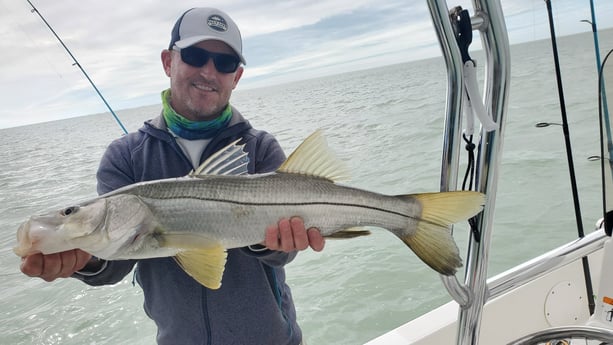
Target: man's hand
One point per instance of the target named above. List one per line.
(290, 235)
(52, 266)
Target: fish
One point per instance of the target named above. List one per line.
(219, 206)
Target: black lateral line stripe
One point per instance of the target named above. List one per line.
(326, 203)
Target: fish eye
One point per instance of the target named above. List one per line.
(70, 210)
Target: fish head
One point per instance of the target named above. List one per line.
(77, 226)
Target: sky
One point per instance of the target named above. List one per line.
(119, 46)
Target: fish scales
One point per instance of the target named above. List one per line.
(226, 206)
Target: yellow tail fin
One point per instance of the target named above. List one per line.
(432, 240)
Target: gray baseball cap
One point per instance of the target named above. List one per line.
(206, 23)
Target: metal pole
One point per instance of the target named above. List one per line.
(453, 129)
(497, 82)
(473, 295)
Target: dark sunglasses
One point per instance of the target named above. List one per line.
(198, 57)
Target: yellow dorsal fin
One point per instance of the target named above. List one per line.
(314, 158)
(206, 266)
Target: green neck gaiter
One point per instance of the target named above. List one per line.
(192, 130)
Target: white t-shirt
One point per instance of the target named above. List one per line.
(192, 148)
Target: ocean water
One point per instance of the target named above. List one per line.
(387, 123)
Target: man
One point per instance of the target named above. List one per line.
(253, 305)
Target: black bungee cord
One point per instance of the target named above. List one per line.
(463, 29)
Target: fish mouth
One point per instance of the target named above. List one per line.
(24, 242)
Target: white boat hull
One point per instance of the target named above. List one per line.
(553, 299)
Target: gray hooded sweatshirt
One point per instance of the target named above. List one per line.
(254, 305)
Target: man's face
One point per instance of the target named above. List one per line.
(200, 93)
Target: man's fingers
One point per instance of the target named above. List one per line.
(272, 238)
(316, 241)
(289, 235)
(32, 265)
(82, 259)
(286, 236)
(300, 238)
(68, 261)
(52, 266)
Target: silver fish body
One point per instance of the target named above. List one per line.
(235, 211)
(217, 207)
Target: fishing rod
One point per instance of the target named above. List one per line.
(605, 122)
(602, 90)
(35, 10)
(569, 156)
(607, 215)
(605, 107)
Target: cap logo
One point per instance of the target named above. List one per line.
(217, 23)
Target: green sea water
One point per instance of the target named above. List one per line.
(387, 123)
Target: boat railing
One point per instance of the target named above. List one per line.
(546, 263)
(551, 335)
(489, 20)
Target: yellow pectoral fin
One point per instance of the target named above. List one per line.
(204, 265)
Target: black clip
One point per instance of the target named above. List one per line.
(463, 31)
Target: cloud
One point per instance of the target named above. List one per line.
(119, 46)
